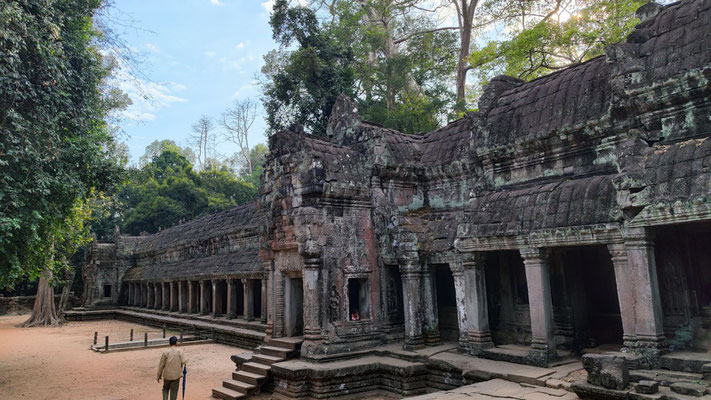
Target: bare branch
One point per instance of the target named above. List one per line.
(413, 34)
(237, 122)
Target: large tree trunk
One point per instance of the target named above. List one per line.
(43, 312)
(69, 276)
(466, 21)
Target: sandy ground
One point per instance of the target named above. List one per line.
(56, 363)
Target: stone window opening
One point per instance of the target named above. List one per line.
(107, 290)
(358, 299)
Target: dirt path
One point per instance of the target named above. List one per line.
(56, 363)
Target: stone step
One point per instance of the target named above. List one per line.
(290, 343)
(239, 386)
(266, 359)
(274, 351)
(257, 368)
(664, 377)
(227, 394)
(248, 377)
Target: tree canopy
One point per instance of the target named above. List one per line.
(167, 191)
(404, 60)
(55, 146)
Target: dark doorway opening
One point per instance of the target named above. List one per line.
(395, 307)
(221, 297)
(257, 298)
(358, 299)
(446, 304)
(107, 290)
(294, 306)
(683, 257)
(586, 310)
(507, 298)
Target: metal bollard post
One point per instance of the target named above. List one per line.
(106, 346)
(163, 331)
(96, 337)
(131, 335)
(145, 339)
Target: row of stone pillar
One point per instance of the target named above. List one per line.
(203, 296)
(637, 287)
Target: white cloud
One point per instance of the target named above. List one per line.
(268, 5)
(152, 48)
(240, 45)
(246, 90)
(178, 87)
(217, 3)
(210, 53)
(147, 97)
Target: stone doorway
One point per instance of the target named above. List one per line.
(507, 298)
(586, 310)
(220, 297)
(446, 304)
(683, 257)
(394, 306)
(293, 306)
(257, 293)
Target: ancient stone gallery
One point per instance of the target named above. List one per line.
(569, 213)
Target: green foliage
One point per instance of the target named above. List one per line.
(541, 39)
(168, 191)
(158, 146)
(303, 84)
(55, 146)
(399, 70)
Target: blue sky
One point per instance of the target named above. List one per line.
(199, 56)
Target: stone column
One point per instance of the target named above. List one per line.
(278, 316)
(166, 296)
(173, 297)
(157, 295)
(430, 315)
(181, 301)
(312, 303)
(625, 293)
(216, 301)
(248, 300)
(191, 297)
(410, 273)
(311, 254)
(144, 301)
(263, 318)
(231, 298)
(475, 305)
(649, 319)
(540, 303)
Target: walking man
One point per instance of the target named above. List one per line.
(171, 369)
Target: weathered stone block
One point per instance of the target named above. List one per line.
(689, 389)
(241, 358)
(647, 387)
(607, 371)
(706, 369)
(592, 392)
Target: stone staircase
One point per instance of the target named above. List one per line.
(255, 371)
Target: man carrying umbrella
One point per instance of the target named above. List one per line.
(170, 368)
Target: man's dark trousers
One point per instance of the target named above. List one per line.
(171, 386)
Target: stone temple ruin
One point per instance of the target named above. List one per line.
(568, 214)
